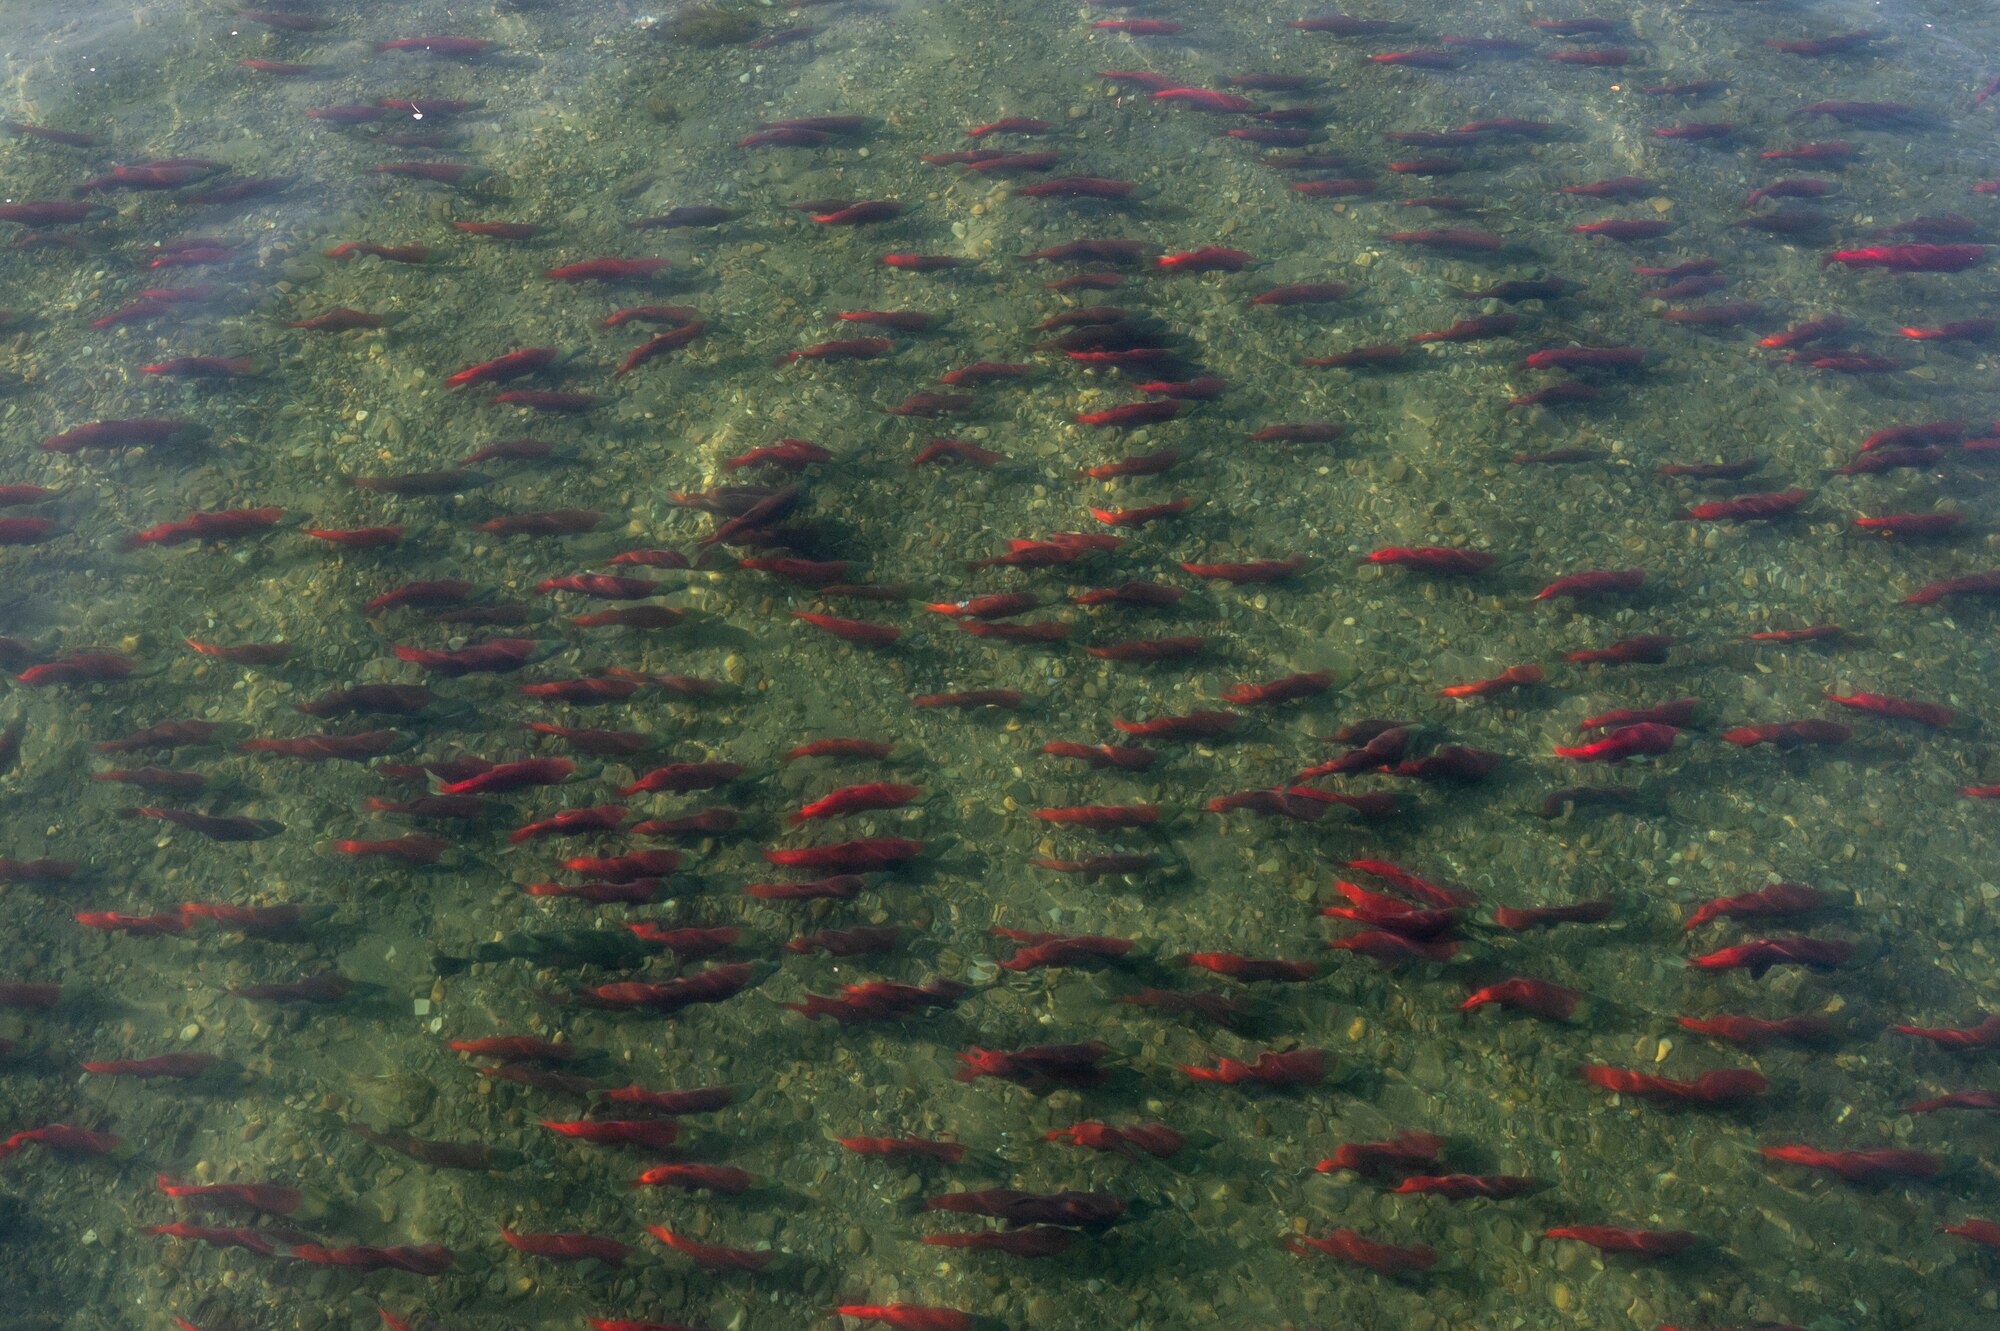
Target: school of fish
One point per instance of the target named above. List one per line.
(555, 701)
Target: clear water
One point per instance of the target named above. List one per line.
(590, 116)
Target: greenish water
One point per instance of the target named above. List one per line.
(596, 115)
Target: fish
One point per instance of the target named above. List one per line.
(1406, 1152)
(1594, 583)
(1778, 901)
(1038, 1065)
(1091, 867)
(1912, 258)
(1238, 967)
(319, 987)
(1639, 1242)
(1517, 919)
(62, 1139)
(440, 1154)
(858, 799)
(608, 269)
(1721, 1087)
(355, 747)
(1514, 677)
(1349, 1246)
(913, 1316)
(216, 827)
(713, 1256)
(864, 940)
(1787, 735)
(568, 1247)
(217, 525)
(880, 1000)
(1625, 229)
(1643, 739)
(177, 1066)
(1465, 1187)
(424, 1260)
(1208, 259)
(1297, 1067)
(1760, 955)
(1538, 997)
(1936, 716)
(1982, 584)
(1034, 1241)
(1757, 1032)
(1865, 1166)
(1586, 358)
(1290, 688)
(1984, 1035)
(1986, 1233)
(1016, 1208)
(257, 1198)
(1455, 240)
(1746, 508)
(1644, 649)
(1419, 59)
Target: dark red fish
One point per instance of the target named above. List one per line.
(1416, 59)
(507, 778)
(1298, 1067)
(1348, 1246)
(1757, 1032)
(1985, 1035)
(1463, 1187)
(1208, 259)
(178, 1066)
(1585, 358)
(713, 1256)
(1644, 649)
(1455, 240)
(1786, 735)
(1036, 1241)
(1641, 1242)
(1910, 258)
(1760, 955)
(1859, 1166)
(1076, 1210)
(1594, 583)
(63, 1140)
(1538, 997)
(608, 270)
(219, 525)
(414, 848)
(881, 1000)
(904, 1148)
(1726, 1086)
(1934, 715)
(1645, 739)
(1778, 901)
(1404, 1152)
(1289, 689)
(496, 656)
(1038, 1065)
(1514, 677)
(568, 1247)
(267, 1198)
(1746, 508)
(322, 748)
(428, 1260)
(213, 826)
(1537, 917)
(254, 1240)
